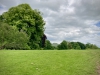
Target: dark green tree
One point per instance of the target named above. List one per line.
(11, 38)
(25, 19)
(91, 46)
(63, 45)
(75, 45)
(70, 45)
(48, 45)
(82, 46)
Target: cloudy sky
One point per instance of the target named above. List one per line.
(71, 20)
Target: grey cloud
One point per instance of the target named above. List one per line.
(87, 9)
(47, 4)
(9, 3)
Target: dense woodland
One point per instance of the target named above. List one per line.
(22, 28)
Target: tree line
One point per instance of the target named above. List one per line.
(75, 45)
(22, 28)
(67, 45)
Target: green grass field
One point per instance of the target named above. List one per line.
(49, 62)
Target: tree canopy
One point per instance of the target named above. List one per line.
(48, 45)
(25, 19)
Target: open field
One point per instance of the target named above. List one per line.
(49, 62)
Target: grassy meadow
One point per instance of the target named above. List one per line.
(49, 62)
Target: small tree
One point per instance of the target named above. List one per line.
(91, 46)
(70, 45)
(48, 45)
(82, 46)
(75, 45)
(63, 45)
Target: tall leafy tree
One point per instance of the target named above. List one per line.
(25, 19)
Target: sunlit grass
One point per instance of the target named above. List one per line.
(45, 62)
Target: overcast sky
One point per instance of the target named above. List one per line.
(71, 20)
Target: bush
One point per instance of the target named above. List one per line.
(11, 38)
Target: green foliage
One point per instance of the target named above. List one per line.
(75, 45)
(27, 20)
(11, 38)
(63, 45)
(48, 45)
(82, 46)
(91, 46)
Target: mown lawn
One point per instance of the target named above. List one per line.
(49, 62)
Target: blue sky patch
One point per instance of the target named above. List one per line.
(98, 24)
(1, 7)
(98, 33)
